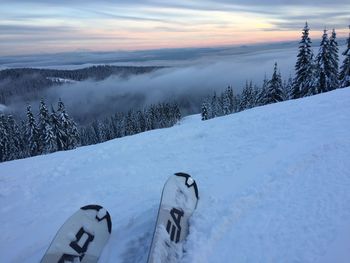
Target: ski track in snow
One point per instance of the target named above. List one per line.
(273, 184)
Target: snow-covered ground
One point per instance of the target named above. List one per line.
(61, 80)
(273, 182)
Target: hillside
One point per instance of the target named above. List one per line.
(273, 184)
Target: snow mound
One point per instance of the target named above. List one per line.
(273, 184)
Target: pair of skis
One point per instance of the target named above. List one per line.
(84, 235)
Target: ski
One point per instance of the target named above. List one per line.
(81, 238)
(178, 202)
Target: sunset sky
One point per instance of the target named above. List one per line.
(45, 26)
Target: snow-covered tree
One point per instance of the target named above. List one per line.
(248, 97)
(15, 139)
(4, 139)
(32, 133)
(226, 102)
(262, 95)
(344, 76)
(214, 106)
(324, 65)
(70, 133)
(274, 90)
(288, 89)
(303, 66)
(130, 123)
(206, 109)
(334, 61)
(204, 112)
(47, 136)
(57, 130)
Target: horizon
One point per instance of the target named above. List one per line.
(32, 27)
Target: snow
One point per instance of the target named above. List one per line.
(273, 185)
(61, 80)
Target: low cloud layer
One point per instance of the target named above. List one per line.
(185, 80)
(187, 84)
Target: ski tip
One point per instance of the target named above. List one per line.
(190, 182)
(102, 214)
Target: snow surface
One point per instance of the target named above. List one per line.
(273, 184)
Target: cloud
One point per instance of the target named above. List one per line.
(187, 80)
(150, 24)
(187, 84)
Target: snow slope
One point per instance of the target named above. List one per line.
(273, 181)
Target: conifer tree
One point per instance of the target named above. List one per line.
(323, 62)
(247, 97)
(47, 136)
(206, 109)
(225, 104)
(204, 112)
(274, 90)
(4, 139)
(303, 66)
(344, 76)
(215, 111)
(334, 61)
(69, 128)
(57, 130)
(287, 88)
(15, 139)
(231, 97)
(129, 128)
(262, 96)
(32, 133)
(177, 112)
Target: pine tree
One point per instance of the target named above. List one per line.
(324, 68)
(15, 139)
(74, 138)
(225, 103)
(215, 111)
(47, 136)
(69, 128)
(231, 97)
(344, 76)
(334, 61)
(176, 112)
(118, 123)
(57, 130)
(129, 128)
(247, 97)
(288, 89)
(303, 66)
(262, 96)
(4, 139)
(150, 119)
(274, 90)
(24, 142)
(32, 133)
(204, 111)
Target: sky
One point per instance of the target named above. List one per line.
(47, 26)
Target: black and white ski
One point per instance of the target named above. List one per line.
(81, 238)
(178, 202)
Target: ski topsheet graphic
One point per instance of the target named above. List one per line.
(178, 202)
(81, 238)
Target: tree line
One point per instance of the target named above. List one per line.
(313, 75)
(51, 131)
